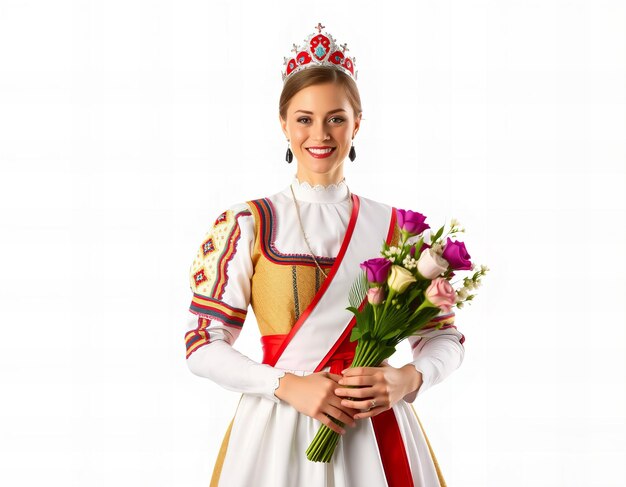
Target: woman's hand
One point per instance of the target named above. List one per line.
(314, 395)
(386, 385)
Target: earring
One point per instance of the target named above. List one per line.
(352, 154)
(289, 155)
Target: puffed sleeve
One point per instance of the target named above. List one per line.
(436, 352)
(220, 283)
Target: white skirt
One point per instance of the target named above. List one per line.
(265, 446)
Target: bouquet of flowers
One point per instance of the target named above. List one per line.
(406, 288)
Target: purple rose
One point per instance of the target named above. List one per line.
(411, 222)
(456, 255)
(377, 269)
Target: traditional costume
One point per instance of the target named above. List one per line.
(255, 255)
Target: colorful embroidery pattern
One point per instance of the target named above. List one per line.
(209, 275)
(267, 230)
(208, 246)
(199, 277)
(220, 219)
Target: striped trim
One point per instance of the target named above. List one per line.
(441, 322)
(227, 254)
(447, 316)
(194, 339)
(267, 231)
(419, 338)
(211, 308)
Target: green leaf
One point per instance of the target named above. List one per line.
(358, 290)
(391, 334)
(438, 234)
(413, 292)
(354, 309)
(356, 334)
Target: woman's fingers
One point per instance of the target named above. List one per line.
(356, 392)
(363, 405)
(371, 412)
(334, 377)
(340, 413)
(325, 419)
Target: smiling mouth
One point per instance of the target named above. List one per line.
(327, 150)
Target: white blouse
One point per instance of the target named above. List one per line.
(324, 212)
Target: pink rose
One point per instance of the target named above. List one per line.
(441, 294)
(375, 295)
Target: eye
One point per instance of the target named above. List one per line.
(339, 119)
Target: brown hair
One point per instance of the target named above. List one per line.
(315, 76)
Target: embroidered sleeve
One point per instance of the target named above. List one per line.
(438, 350)
(219, 279)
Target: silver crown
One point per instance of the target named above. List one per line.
(319, 50)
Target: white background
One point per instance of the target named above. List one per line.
(127, 126)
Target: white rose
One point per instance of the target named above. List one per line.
(430, 264)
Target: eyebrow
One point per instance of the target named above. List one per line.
(332, 111)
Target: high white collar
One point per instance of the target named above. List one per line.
(304, 191)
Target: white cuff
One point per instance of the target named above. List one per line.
(234, 371)
(436, 358)
(425, 367)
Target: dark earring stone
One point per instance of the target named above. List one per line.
(289, 156)
(352, 154)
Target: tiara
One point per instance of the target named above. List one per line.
(319, 50)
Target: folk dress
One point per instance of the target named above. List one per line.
(254, 255)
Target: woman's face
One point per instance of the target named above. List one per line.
(320, 116)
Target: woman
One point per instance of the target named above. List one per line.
(293, 256)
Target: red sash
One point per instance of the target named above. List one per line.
(388, 436)
(390, 444)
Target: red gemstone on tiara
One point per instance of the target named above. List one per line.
(320, 45)
(349, 66)
(291, 65)
(337, 57)
(303, 57)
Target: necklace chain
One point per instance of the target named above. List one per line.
(302, 227)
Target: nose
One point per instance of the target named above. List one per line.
(320, 132)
